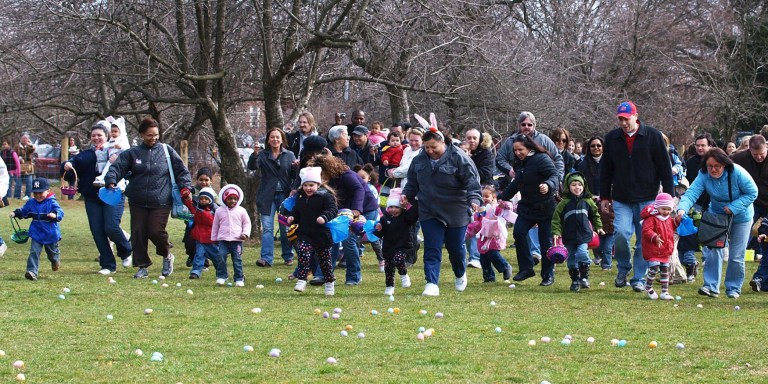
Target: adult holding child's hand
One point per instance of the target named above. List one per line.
(103, 219)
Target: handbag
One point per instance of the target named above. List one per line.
(715, 228)
(178, 209)
(27, 168)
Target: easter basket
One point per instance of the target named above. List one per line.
(557, 254)
(19, 236)
(70, 190)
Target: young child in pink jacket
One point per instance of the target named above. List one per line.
(491, 224)
(231, 225)
(658, 240)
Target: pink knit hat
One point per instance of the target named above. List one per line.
(664, 200)
(394, 197)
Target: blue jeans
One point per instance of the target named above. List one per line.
(533, 241)
(734, 273)
(210, 251)
(51, 250)
(626, 224)
(104, 222)
(577, 254)
(688, 257)
(27, 180)
(268, 233)
(491, 259)
(435, 235)
(472, 251)
(235, 250)
(605, 250)
(762, 270)
(521, 232)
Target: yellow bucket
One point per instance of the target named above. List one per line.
(749, 255)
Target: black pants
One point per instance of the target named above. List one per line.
(148, 224)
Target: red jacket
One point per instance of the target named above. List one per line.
(203, 219)
(653, 227)
(393, 155)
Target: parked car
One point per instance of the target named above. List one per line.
(48, 161)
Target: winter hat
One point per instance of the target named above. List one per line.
(314, 143)
(231, 189)
(664, 200)
(312, 174)
(577, 176)
(209, 193)
(394, 197)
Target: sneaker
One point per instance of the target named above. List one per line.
(300, 285)
(30, 276)
(474, 264)
(221, 281)
(240, 283)
(317, 281)
(621, 279)
(55, 265)
(653, 295)
(638, 287)
(508, 272)
(704, 291)
(3, 248)
(756, 284)
(461, 283)
(329, 289)
(382, 264)
(105, 271)
(431, 290)
(666, 296)
(194, 276)
(141, 274)
(536, 258)
(389, 291)
(732, 295)
(597, 261)
(405, 281)
(128, 261)
(168, 265)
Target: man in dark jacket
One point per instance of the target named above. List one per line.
(362, 146)
(754, 162)
(634, 164)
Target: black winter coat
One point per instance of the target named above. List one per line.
(397, 232)
(273, 170)
(485, 162)
(529, 173)
(305, 214)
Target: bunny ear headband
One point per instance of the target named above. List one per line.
(430, 126)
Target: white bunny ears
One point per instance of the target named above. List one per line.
(430, 126)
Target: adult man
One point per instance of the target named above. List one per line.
(753, 161)
(307, 127)
(357, 118)
(635, 163)
(339, 146)
(688, 245)
(526, 125)
(362, 146)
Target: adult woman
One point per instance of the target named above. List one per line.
(103, 219)
(351, 193)
(447, 186)
(562, 137)
(479, 145)
(149, 193)
(537, 180)
(731, 191)
(13, 164)
(414, 148)
(277, 174)
(590, 168)
(730, 148)
(26, 151)
(338, 137)
(295, 140)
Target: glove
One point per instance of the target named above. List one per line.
(186, 193)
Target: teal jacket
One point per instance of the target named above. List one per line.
(743, 190)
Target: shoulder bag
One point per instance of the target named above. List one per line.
(178, 209)
(715, 228)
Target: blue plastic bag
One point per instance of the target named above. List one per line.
(369, 227)
(289, 203)
(686, 227)
(339, 228)
(111, 196)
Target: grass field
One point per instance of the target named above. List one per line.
(202, 335)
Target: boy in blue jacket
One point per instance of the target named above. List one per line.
(44, 231)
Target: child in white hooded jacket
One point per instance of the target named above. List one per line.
(231, 226)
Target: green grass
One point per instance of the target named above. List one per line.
(202, 335)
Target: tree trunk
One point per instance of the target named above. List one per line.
(398, 104)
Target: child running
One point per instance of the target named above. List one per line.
(203, 211)
(658, 243)
(44, 231)
(492, 227)
(314, 208)
(571, 222)
(231, 226)
(395, 229)
(368, 174)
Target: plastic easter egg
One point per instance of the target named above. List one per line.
(2, 353)
(428, 333)
(348, 327)
(278, 280)
(337, 310)
(736, 308)
(569, 337)
(62, 297)
(138, 352)
(493, 303)
(335, 316)
(164, 285)
(498, 329)
(259, 286)
(256, 310)
(652, 345)
(420, 336)
(161, 277)
(678, 298)
(18, 364)
(545, 339)
(361, 335)
(189, 292)
(614, 342)
(565, 342)
(679, 346)
(397, 310)
(274, 352)
(439, 315)
(325, 315)
(374, 312)
(422, 312)
(344, 333)
(66, 290)
(331, 360)
(391, 298)
(699, 306)
(532, 342)
(148, 311)
(422, 329)
(21, 377)
(154, 281)
(318, 311)
(178, 285)
(602, 284)
(110, 317)
(590, 339)
(622, 343)
(512, 286)
(391, 310)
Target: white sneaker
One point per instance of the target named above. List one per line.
(168, 265)
(405, 280)
(474, 264)
(300, 285)
(3, 248)
(666, 296)
(221, 281)
(329, 289)
(381, 266)
(431, 290)
(127, 261)
(240, 283)
(461, 283)
(389, 291)
(653, 296)
(105, 272)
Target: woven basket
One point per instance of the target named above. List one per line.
(70, 190)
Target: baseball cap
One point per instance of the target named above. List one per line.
(626, 109)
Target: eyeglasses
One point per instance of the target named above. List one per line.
(526, 125)
(595, 146)
(560, 140)
(714, 166)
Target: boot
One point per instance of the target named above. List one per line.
(584, 272)
(575, 286)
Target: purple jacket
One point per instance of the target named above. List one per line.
(353, 193)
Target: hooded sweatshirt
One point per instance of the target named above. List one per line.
(230, 223)
(43, 229)
(574, 214)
